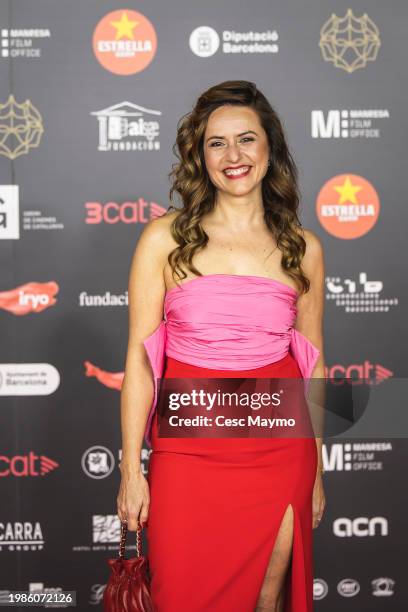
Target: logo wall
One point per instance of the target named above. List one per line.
(124, 42)
(348, 206)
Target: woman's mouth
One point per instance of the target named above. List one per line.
(236, 173)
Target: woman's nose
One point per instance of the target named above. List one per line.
(233, 153)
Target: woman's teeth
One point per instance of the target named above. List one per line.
(236, 171)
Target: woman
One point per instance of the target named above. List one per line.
(241, 286)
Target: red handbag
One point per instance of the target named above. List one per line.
(128, 587)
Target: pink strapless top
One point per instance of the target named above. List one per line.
(228, 322)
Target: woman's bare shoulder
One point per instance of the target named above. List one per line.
(157, 232)
(153, 247)
(314, 248)
(313, 264)
(150, 257)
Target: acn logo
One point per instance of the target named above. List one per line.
(361, 527)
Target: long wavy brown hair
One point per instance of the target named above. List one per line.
(190, 180)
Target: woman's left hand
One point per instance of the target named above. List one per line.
(319, 501)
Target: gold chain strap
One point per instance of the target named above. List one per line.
(122, 544)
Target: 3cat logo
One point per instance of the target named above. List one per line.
(124, 42)
(348, 206)
(26, 465)
(136, 211)
(370, 373)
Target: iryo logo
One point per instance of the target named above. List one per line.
(31, 297)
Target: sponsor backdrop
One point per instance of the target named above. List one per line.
(90, 98)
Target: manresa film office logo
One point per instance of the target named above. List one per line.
(124, 42)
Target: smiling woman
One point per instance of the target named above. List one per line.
(233, 151)
(240, 284)
(236, 155)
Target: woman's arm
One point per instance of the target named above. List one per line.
(146, 295)
(310, 314)
(310, 324)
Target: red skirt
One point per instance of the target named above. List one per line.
(216, 506)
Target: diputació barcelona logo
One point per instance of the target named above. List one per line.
(348, 206)
(124, 42)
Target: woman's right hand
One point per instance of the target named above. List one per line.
(133, 500)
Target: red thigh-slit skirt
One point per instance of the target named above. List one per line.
(216, 507)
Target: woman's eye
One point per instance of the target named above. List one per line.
(218, 143)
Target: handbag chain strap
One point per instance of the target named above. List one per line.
(123, 533)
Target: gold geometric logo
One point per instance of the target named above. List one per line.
(21, 128)
(349, 42)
